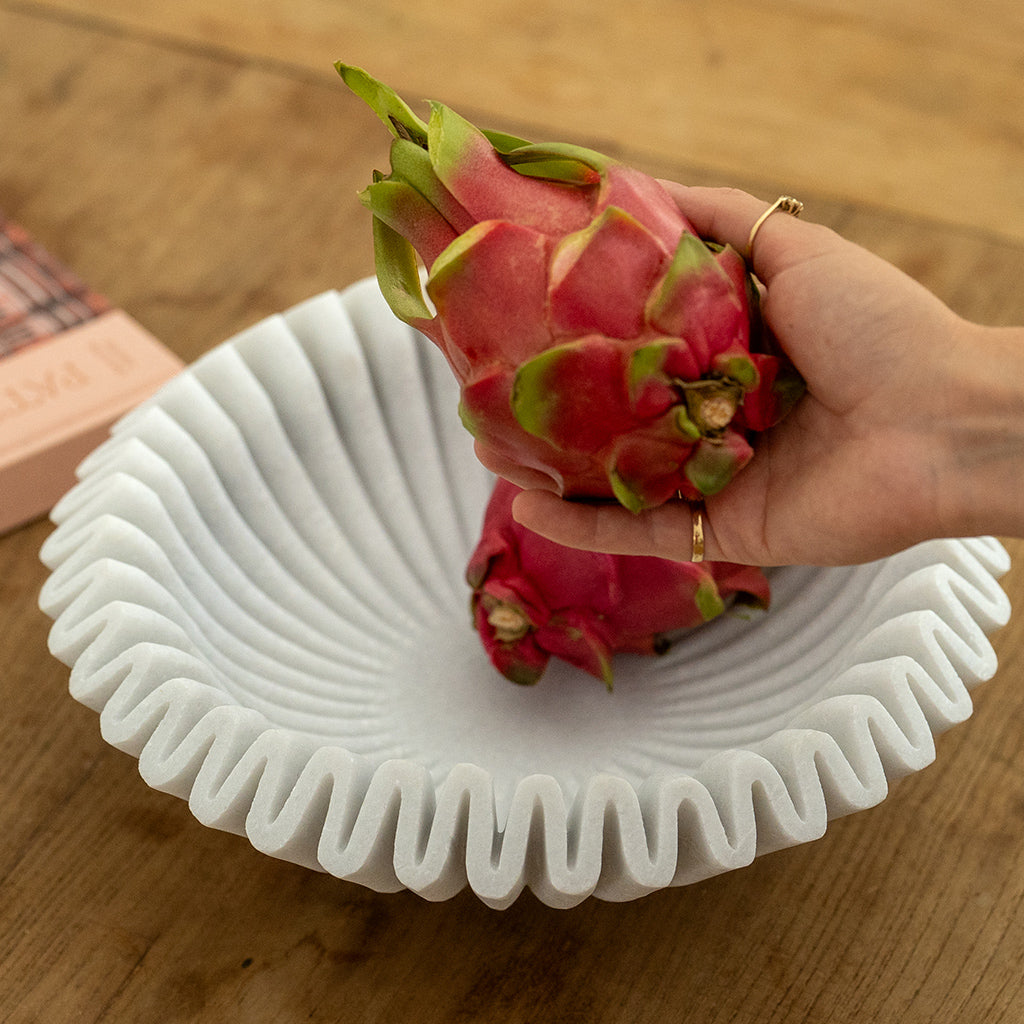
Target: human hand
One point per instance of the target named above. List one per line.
(859, 467)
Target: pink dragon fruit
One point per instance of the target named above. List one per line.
(534, 599)
(595, 337)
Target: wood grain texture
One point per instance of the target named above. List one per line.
(907, 104)
(202, 189)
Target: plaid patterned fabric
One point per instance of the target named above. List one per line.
(39, 297)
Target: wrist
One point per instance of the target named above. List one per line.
(983, 482)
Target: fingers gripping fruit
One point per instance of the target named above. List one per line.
(533, 599)
(595, 337)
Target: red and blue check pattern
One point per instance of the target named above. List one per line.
(39, 296)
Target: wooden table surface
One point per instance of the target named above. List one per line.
(198, 162)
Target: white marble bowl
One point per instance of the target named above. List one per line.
(258, 585)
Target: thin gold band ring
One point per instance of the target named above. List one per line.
(784, 204)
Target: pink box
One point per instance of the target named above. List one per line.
(69, 367)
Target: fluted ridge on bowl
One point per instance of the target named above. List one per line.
(240, 561)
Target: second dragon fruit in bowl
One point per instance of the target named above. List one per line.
(534, 599)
